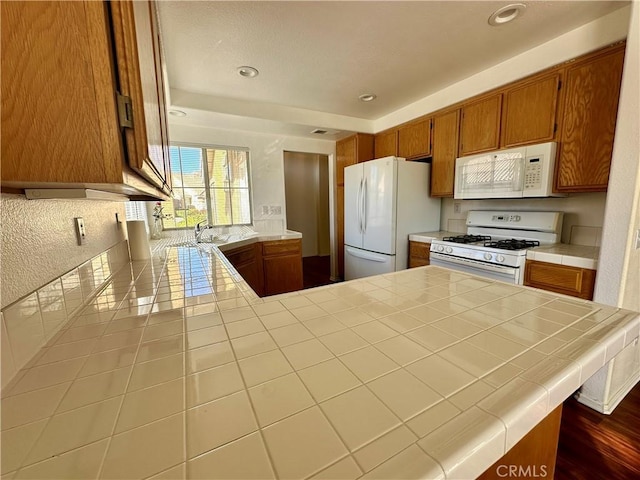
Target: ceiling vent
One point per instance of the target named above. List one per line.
(319, 131)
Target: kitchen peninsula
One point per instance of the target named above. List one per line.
(177, 369)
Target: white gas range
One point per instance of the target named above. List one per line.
(496, 243)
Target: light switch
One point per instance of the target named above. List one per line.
(81, 234)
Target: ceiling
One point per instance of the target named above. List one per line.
(316, 58)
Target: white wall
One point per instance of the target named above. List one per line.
(39, 240)
(582, 224)
(266, 163)
(618, 280)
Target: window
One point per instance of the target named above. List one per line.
(209, 184)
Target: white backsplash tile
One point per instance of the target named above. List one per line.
(29, 323)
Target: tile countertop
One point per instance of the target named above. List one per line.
(178, 370)
(428, 237)
(565, 254)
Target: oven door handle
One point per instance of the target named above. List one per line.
(473, 263)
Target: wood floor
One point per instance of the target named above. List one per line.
(316, 271)
(596, 446)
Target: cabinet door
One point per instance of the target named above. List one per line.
(282, 274)
(345, 156)
(414, 139)
(247, 261)
(386, 144)
(364, 147)
(418, 254)
(480, 125)
(59, 118)
(139, 64)
(529, 112)
(588, 126)
(445, 151)
(574, 281)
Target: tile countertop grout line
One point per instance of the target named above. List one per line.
(72, 317)
(253, 411)
(71, 383)
(128, 382)
(567, 364)
(316, 403)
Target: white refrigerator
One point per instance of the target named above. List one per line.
(385, 200)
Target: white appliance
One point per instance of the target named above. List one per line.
(384, 201)
(514, 173)
(496, 243)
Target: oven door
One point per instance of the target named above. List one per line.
(495, 272)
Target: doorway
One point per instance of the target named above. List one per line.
(306, 182)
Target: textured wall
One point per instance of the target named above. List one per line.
(39, 240)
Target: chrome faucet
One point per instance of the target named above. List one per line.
(198, 230)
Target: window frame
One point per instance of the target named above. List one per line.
(203, 147)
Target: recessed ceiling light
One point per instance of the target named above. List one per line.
(506, 14)
(367, 97)
(248, 72)
(177, 113)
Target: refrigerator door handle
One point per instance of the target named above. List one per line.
(374, 257)
(364, 206)
(358, 206)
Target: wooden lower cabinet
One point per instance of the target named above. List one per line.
(574, 281)
(247, 260)
(282, 265)
(269, 267)
(534, 456)
(418, 254)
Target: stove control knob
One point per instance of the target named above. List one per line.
(440, 248)
(487, 256)
(449, 249)
(500, 258)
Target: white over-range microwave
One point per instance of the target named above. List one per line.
(521, 172)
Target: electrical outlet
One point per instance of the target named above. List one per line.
(275, 210)
(456, 207)
(265, 209)
(81, 234)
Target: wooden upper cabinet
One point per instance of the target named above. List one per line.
(344, 157)
(592, 90)
(529, 111)
(351, 150)
(480, 125)
(386, 143)
(414, 139)
(446, 127)
(137, 43)
(60, 117)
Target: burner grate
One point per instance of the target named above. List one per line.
(467, 239)
(513, 244)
